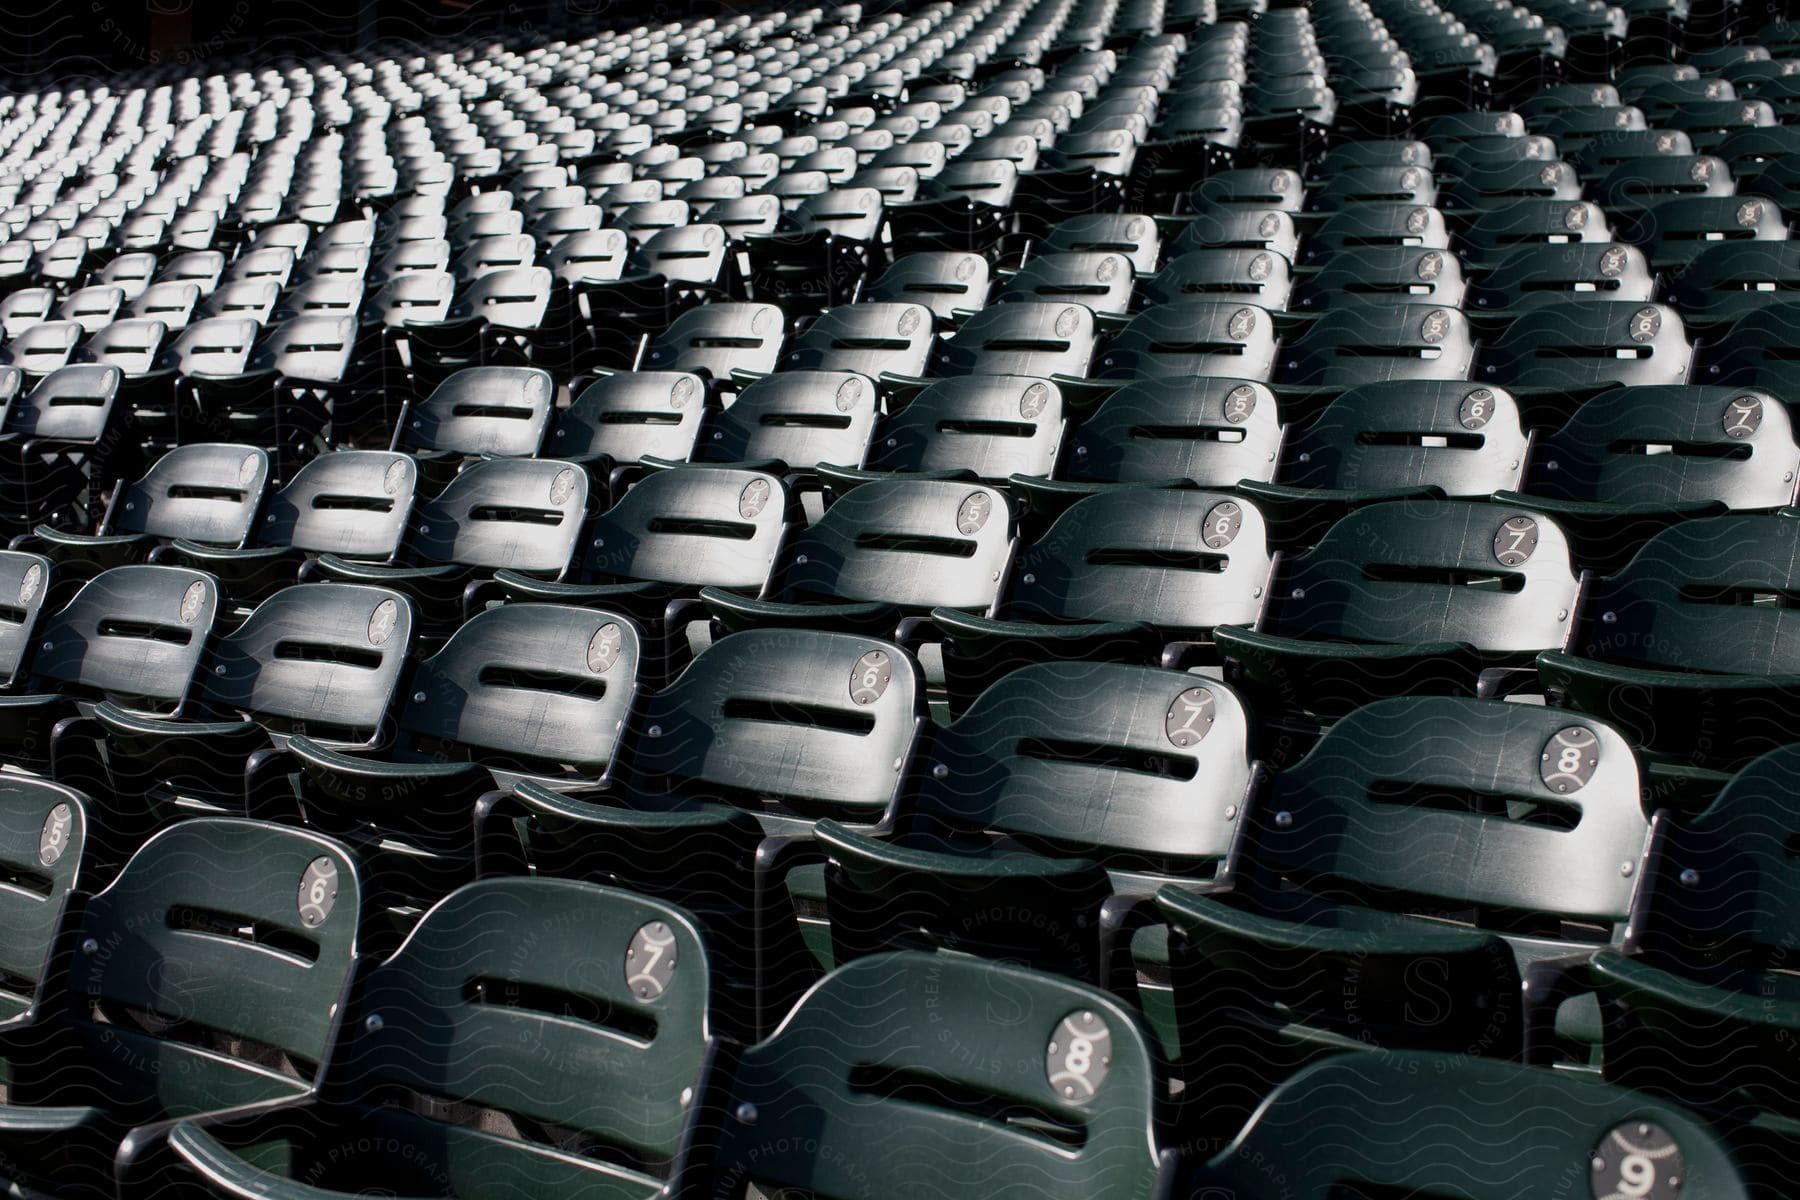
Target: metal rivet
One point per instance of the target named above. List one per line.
(418, 697)
(687, 1096)
(745, 1114)
(47, 645)
(800, 559)
(219, 670)
(1298, 594)
(1284, 820)
(1030, 578)
(374, 1023)
(1230, 812)
(90, 946)
(655, 731)
(1625, 869)
(1690, 878)
(940, 772)
(1609, 618)
(1562, 614)
(599, 542)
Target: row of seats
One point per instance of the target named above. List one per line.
(1361, 592)
(553, 1038)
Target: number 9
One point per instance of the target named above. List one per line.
(1637, 1175)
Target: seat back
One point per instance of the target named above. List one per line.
(531, 683)
(172, 302)
(500, 411)
(134, 634)
(1384, 275)
(1099, 279)
(225, 927)
(216, 346)
(686, 254)
(1406, 1123)
(870, 338)
(519, 513)
(892, 1062)
(1410, 571)
(1463, 438)
(422, 296)
(1588, 343)
(1665, 445)
(1027, 338)
(1260, 277)
(792, 724)
(24, 583)
(800, 418)
(1364, 344)
(1713, 910)
(324, 660)
(632, 415)
(1371, 226)
(911, 542)
(308, 349)
(581, 1007)
(71, 404)
(132, 345)
(942, 280)
(1754, 352)
(1687, 600)
(1211, 432)
(1134, 235)
(1439, 803)
(1536, 276)
(206, 492)
(1501, 232)
(1241, 229)
(1192, 337)
(716, 339)
(352, 503)
(596, 256)
(991, 425)
(692, 527)
(43, 838)
(1169, 753)
(1182, 560)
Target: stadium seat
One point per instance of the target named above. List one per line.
(898, 1101)
(460, 1019)
(210, 493)
(1607, 480)
(999, 852)
(1416, 841)
(1698, 1005)
(886, 550)
(1676, 650)
(225, 945)
(1133, 574)
(1413, 1123)
(1404, 597)
(1389, 441)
